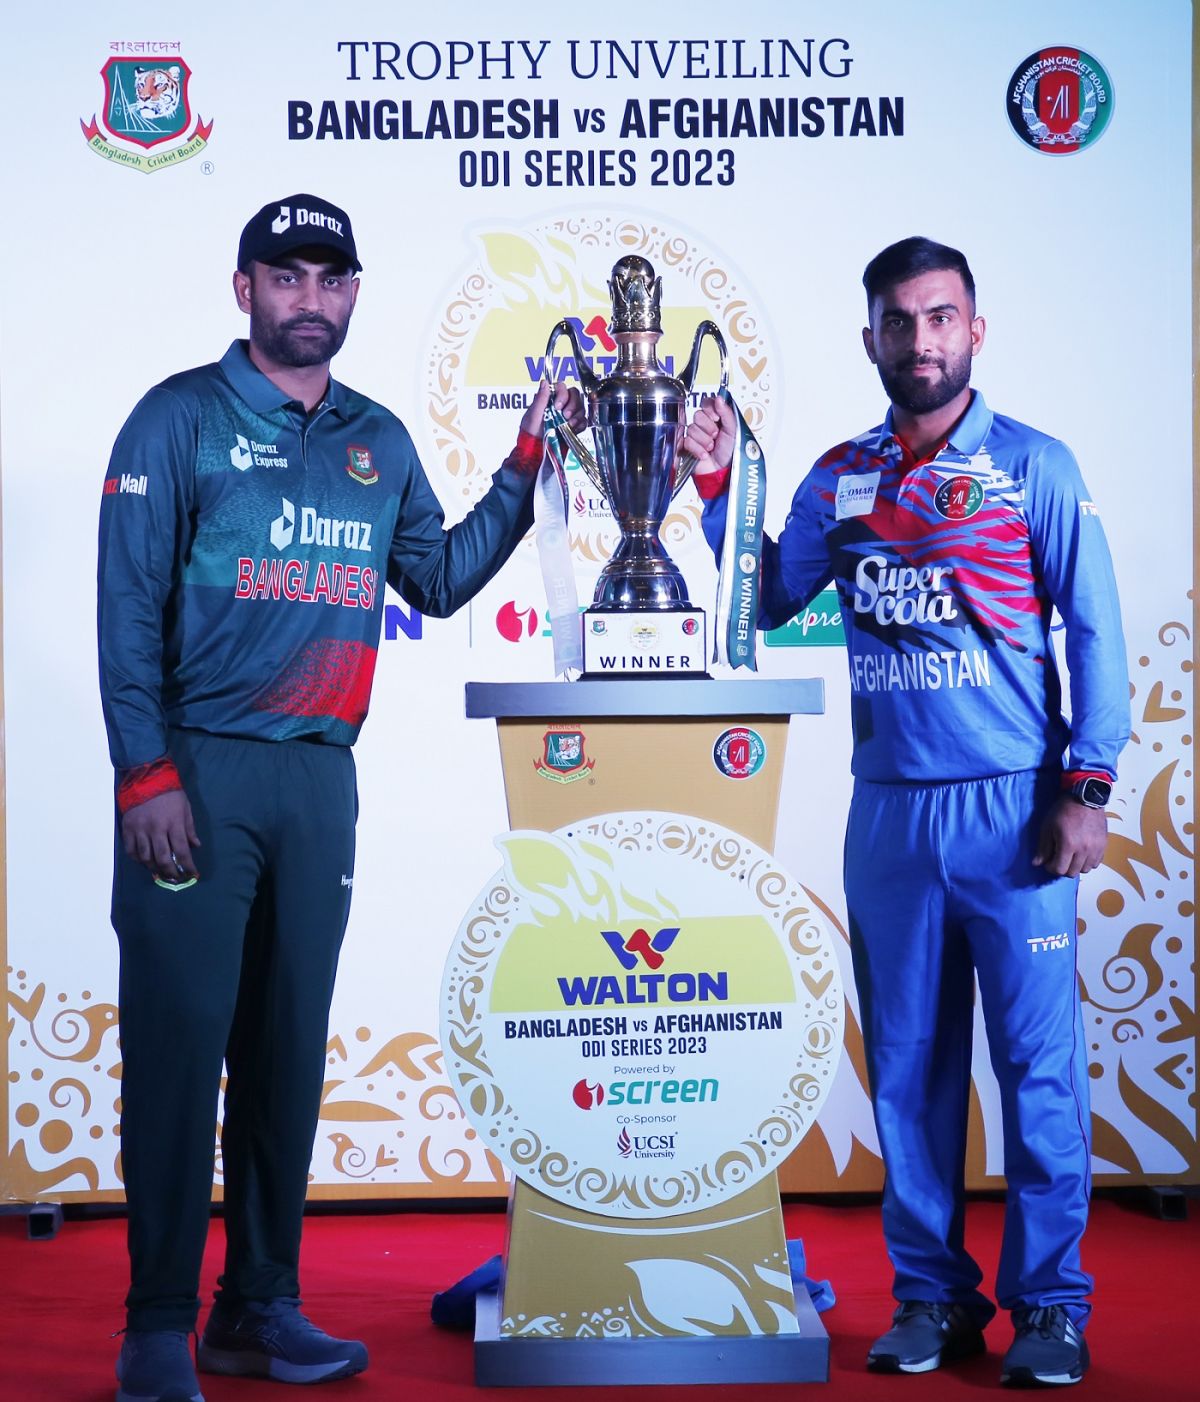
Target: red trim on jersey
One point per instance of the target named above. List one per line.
(526, 457)
(711, 485)
(146, 781)
(330, 677)
(907, 461)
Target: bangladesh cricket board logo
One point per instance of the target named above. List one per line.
(147, 106)
(360, 465)
(1060, 100)
(564, 759)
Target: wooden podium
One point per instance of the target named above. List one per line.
(712, 750)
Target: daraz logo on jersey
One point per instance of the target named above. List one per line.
(318, 530)
(902, 594)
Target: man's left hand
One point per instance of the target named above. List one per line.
(567, 400)
(1072, 839)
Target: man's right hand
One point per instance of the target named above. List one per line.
(160, 834)
(709, 436)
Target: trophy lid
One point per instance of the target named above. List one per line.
(636, 296)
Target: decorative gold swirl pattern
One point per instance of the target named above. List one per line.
(533, 1154)
(1137, 932)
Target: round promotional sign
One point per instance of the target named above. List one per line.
(641, 1013)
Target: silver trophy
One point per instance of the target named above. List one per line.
(641, 620)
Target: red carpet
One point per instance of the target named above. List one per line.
(372, 1277)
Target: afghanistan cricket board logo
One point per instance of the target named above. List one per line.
(563, 757)
(1060, 100)
(958, 498)
(146, 105)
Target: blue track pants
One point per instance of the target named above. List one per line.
(941, 889)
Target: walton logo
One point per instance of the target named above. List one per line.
(283, 220)
(682, 987)
(1041, 944)
(639, 945)
(587, 1094)
(594, 334)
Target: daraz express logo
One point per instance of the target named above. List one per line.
(330, 531)
(636, 950)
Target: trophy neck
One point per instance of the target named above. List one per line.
(636, 354)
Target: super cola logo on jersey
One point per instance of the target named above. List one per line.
(903, 594)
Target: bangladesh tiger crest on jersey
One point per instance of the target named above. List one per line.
(360, 465)
(146, 106)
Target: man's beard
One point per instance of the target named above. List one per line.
(923, 396)
(278, 341)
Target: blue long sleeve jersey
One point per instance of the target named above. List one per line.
(947, 572)
(244, 547)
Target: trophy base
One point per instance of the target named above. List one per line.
(644, 643)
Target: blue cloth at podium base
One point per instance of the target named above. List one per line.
(455, 1308)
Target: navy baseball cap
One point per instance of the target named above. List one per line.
(297, 221)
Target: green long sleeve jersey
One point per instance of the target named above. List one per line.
(244, 545)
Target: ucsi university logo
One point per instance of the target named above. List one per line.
(646, 1146)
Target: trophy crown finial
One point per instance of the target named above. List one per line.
(636, 296)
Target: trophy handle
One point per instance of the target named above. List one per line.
(590, 385)
(686, 462)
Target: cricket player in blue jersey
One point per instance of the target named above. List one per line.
(951, 534)
(252, 512)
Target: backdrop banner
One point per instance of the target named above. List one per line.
(496, 164)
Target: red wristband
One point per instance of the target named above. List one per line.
(146, 781)
(1071, 777)
(526, 457)
(711, 485)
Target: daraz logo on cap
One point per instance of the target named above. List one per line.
(283, 221)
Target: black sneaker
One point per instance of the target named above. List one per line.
(155, 1365)
(1048, 1350)
(923, 1336)
(272, 1339)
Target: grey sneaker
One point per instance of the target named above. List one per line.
(155, 1365)
(1047, 1351)
(923, 1336)
(272, 1339)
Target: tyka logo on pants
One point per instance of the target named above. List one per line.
(1042, 944)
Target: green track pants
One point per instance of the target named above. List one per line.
(239, 966)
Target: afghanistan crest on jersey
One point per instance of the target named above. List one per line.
(146, 105)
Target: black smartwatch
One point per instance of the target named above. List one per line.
(1091, 792)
